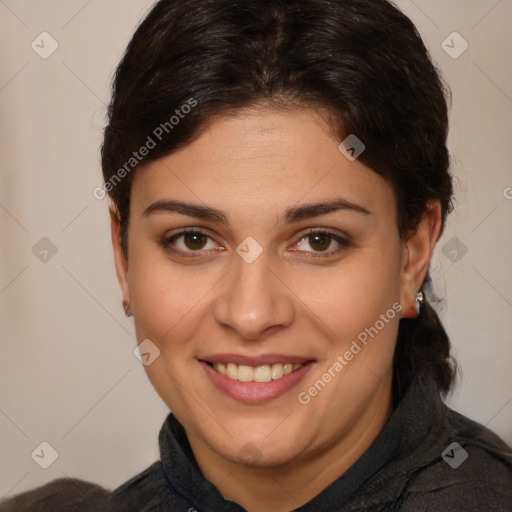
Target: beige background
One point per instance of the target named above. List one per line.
(67, 372)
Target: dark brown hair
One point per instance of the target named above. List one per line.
(362, 60)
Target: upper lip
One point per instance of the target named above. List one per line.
(261, 360)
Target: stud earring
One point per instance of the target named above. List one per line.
(420, 300)
(126, 312)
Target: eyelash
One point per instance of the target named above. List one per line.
(343, 242)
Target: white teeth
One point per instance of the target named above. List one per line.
(245, 373)
(277, 371)
(264, 373)
(232, 371)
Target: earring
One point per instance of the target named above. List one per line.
(126, 312)
(419, 299)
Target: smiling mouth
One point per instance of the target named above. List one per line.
(263, 373)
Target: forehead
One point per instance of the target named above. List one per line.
(259, 160)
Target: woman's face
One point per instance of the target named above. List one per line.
(292, 258)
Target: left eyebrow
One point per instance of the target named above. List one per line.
(316, 209)
(290, 216)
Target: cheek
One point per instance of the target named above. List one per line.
(168, 305)
(165, 300)
(351, 296)
(357, 307)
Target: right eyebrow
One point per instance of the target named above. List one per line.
(189, 209)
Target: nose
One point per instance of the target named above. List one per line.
(253, 301)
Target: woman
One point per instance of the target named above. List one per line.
(279, 179)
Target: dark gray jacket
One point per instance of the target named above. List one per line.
(427, 458)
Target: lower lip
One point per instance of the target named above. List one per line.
(256, 392)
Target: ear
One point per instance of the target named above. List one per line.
(417, 252)
(120, 260)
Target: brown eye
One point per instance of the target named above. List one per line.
(321, 244)
(194, 241)
(189, 243)
(320, 241)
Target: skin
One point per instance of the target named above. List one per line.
(254, 166)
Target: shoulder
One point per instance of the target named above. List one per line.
(481, 482)
(146, 491)
(473, 471)
(64, 494)
(70, 494)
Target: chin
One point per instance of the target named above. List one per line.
(259, 451)
(253, 455)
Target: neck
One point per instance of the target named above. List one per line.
(291, 485)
